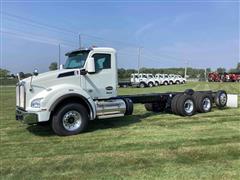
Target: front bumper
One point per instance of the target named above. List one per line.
(26, 117)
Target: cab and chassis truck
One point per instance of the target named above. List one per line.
(86, 89)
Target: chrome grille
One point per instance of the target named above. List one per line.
(20, 96)
(17, 95)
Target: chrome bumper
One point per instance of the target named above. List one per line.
(26, 117)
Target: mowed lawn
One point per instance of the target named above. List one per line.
(142, 146)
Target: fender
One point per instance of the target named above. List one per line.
(58, 93)
(72, 95)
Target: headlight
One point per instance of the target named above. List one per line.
(36, 103)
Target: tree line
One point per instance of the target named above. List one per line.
(126, 73)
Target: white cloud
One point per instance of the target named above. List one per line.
(144, 29)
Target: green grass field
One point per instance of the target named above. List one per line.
(142, 146)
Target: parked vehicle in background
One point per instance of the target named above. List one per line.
(151, 80)
(180, 79)
(142, 80)
(234, 77)
(223, 77)
(214, 77)
(161, 79)
(172, 79)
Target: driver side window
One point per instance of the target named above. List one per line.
(102, 61)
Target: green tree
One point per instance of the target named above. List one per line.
(221, 70)
(4, 72)
(53, 66)
(238, 66)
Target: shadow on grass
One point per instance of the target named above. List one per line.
(45, 129)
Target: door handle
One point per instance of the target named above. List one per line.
(109, 88)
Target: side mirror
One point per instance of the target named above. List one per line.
(35, 72)
(61, 66)
(90, 66)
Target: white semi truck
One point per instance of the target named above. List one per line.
(86, 89)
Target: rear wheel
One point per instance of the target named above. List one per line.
(165, 83)
(157, 83)
(220, 99)
(203, 102)
(186, 105)
(71, 119)
(174, 103)
(170, 82)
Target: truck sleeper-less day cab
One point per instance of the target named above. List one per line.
(86, 89)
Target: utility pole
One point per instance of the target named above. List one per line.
(80, 40)
(185, 74)
(59, 55)
(139, 57)
(206, 74)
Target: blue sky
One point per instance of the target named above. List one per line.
(171, 34)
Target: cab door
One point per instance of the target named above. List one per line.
(102, 84)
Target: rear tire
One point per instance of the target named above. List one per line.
(157, 83)
(186, 105)
(174, 103)
(165, 83)
(203, 102)
(220, 99)
(71, 119)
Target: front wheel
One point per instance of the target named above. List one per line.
(142, 85)
(165, 83)
(150, 84)
(71, 119)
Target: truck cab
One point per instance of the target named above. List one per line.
(88, 82)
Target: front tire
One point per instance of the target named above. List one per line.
(150, 84)
(142, 85)
(71, 119)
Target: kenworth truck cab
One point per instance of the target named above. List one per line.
(86, 89)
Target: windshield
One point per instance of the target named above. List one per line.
(76, 60)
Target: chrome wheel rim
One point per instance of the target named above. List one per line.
(188, 106)
(223, 98)
(72, 120)
(142, 85)
(206, 104)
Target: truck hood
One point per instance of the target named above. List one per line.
(46, 79)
